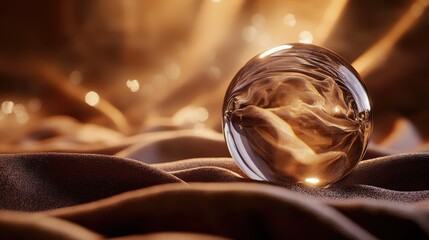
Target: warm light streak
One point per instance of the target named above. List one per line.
(92, 98)
(211, 26)
(312, 180)
(274, 49)
(330, 18)
(378, 52)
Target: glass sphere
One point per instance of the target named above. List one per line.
(297, 113)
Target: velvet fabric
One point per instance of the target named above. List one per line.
(144, 193)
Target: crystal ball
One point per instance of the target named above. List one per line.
(297, 113)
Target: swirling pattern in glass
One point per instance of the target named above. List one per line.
(297, 113)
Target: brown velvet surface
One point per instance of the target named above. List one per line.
(92, 196)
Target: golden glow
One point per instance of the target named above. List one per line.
(159, 80)
(216, 1)
(305, 37)
(201, 114)
(7, 107)
(214, 72)
(275, 49)
(21, 114)
(199, 127)
(312, 180)
(172, 71)
(133, 85)
(19, 110)
(258, 20)
(75, 77)
(191, 115)
(147, 89)
(289, 20)
(337, 109)
(264, 40)
(92, 98)
(249, 33)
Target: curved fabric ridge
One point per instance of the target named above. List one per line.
(41, 181)
(402, 172)
(161, 147)
(398, 220)
(171, 235)
(254, 210)
(34, 182)
(14, 225)
(208, 174)
(227, 163)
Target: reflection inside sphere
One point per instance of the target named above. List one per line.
(297, 113)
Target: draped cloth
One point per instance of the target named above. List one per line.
(145, 191)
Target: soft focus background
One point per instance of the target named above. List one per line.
(105, 74)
